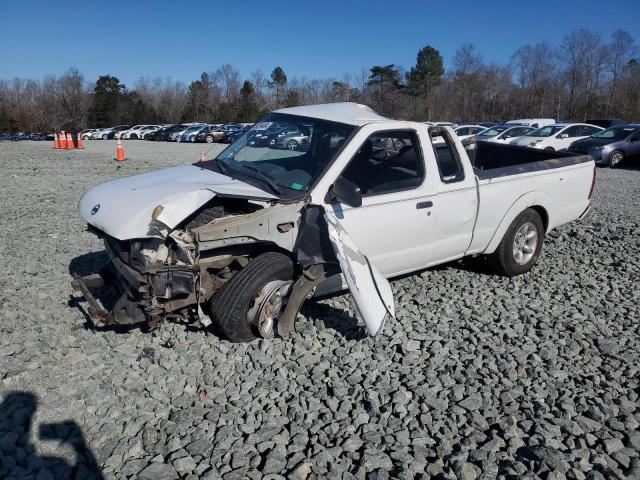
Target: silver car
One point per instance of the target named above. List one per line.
(610, 147)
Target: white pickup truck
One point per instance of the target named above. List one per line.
(239, 242)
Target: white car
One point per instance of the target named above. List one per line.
(492, 134)
(510, 134)
(532, 122)
(251, 233)
(463, 131)
(149, 129)
(135, 133)
(557, 136)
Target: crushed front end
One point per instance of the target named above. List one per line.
(153, 277)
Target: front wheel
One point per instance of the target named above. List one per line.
(208, 139)
(292, 145)
(521, 245)
(85, 137)
(104, 137)
(249, 304)
(615, 159)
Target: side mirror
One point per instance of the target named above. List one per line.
(564, 135)
(347, 192)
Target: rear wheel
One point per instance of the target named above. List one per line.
(104, 137)
(521, 245)
(248, 305)
(615, 158)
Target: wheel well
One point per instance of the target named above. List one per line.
(543, 215)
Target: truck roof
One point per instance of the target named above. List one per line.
(343, 112)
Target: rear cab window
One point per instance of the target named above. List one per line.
(448, 160)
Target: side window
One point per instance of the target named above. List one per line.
(463, 131)
(387, 162)
(573, 131)
(590, 130)
(447, 158)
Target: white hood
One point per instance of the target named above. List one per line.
(122, 208)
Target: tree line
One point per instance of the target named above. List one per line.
(586, 76)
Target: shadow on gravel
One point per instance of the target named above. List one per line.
(336, 319)
(18, 457)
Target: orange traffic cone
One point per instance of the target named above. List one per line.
(63, 140)
(80, 145)
(69, 141)
(202, 157)
(56, 145)
(120, 152)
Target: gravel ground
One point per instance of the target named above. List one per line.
(478, 377)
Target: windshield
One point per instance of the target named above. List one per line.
(193, 129)
(545, 131)
(616, 133)
(492, 132)
(289, 163)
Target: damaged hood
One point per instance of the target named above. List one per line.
(123, 208)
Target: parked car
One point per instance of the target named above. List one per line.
(191, 133)
(253, 233)
(176, 133)
(263, 137)
(109, 133)
(557, 136)
(463, 131)
(611, 146)
(86, 133)
(149, 130)
(219, 133)
(532, 122)
(230, 137)
(135, 133)
(160, 134)
(607, 123)
(205, 134)
(508, 130)
(292, 138)
(510, 134)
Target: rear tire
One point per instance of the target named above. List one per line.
(506, 260)
(230, 305)
(615, 159)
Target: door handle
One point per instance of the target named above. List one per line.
(427, 204)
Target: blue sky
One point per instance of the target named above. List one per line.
(312, 39)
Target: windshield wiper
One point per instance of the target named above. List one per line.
(265, 177)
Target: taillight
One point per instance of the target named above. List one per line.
(593, 183)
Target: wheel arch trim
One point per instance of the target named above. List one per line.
(537, 200)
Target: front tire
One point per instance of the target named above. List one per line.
(521, 245)
(292, 145)
(615, 159)
(233, 304)
(208, 139)
(105, 137)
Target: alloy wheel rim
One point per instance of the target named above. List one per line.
(525, 243)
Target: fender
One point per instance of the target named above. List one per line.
(530, 199)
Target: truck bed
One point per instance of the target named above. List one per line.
(493, 160)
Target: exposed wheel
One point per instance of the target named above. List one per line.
(521, 245)
(208, 139)
(615, 159)
(85, 137)
(133, 136)
(292, 145)
(105, 136)
(248, 305)
(193, 139)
